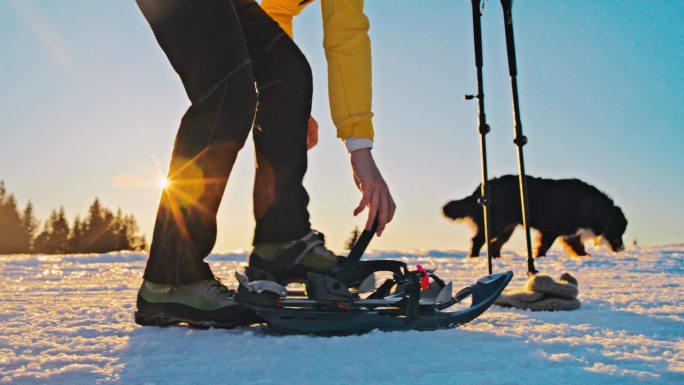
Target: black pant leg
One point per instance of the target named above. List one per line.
(203, 40)
(285, 87)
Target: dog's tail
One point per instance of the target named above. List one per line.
(463, 208)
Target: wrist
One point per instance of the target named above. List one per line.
(353, 143)
(362, 160)
(361, 154)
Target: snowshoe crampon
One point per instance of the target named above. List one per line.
(330, 305)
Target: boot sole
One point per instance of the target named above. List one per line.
(164, 320)
(175, 314)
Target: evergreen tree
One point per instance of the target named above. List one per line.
(76, 237)
(100, 231)
(42, 243)
(3, 193)
(60, 233)
(10, 224)
(108, 239)
(121, 233)
(103, 231)
(130, 230)
(353, 237)
(94, 228)
(29, 226)
(54, 239)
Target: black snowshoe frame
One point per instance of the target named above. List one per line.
(333, 304)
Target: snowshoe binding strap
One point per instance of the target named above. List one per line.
(362, 243)
(412, 295)
(292, 255)
(261, 286)
(353, 271)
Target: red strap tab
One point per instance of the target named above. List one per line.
(425, 281)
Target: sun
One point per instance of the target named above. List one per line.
(163, 183)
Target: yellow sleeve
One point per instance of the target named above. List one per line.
(348, 52)
(283, 11)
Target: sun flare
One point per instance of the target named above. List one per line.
(163, 183)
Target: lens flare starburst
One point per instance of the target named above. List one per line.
(163, 183)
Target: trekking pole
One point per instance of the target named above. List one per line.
(482, 127)
(520, 139)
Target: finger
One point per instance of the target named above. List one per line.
(373, 209)
(312, 133)
(311, 140)
(383, 212)
(364, 202)
(392, 209)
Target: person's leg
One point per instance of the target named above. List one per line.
(284, 83)
(204, 42)
(285, 248)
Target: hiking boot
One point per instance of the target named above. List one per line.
(203, 304)
(286, 262)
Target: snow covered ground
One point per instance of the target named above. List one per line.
(68, 320)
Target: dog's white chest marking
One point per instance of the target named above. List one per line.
(588, 235)
(469, 222)
(585, 234)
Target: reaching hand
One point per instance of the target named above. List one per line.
(376, 194)
(312, 134)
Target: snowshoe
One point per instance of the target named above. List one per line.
(339, 303)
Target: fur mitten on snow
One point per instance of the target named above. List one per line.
(513, 298)
(542, 293)
(545, 284)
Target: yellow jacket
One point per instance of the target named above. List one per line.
(347, 50)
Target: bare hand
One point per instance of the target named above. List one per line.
(376, 194)
(312, 134)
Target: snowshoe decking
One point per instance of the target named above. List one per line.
(329, 308)
(333, 304)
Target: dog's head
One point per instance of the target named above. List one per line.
(463, 208)
(615, 228)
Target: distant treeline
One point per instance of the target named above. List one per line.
(100, 231)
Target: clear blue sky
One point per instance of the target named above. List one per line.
(89, 107)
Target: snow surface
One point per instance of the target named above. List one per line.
(69, 320)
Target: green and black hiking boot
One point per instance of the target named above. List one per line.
(201, 305)
(286, 262)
